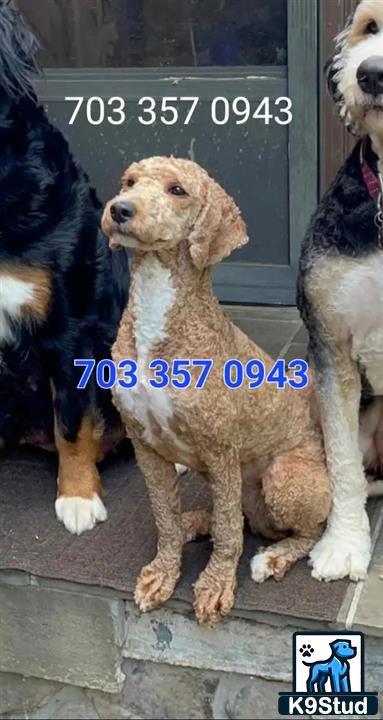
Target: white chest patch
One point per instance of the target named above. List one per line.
(154, 296)
(359, 300)
(14, 293)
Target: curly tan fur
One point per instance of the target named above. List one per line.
(264, 443)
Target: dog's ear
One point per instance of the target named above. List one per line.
(332, 70)
(219, 228)
(334, 645)
(17, 52)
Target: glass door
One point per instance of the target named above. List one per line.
(231, 84)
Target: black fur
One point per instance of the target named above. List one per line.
(50, 218)
(344, 223)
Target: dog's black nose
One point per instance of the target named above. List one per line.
(122, 210)
(370, 75)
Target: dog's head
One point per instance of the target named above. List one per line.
(165, 201)
(18, 46)
(355, 72)
(343, 649)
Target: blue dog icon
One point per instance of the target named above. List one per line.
(336, 668)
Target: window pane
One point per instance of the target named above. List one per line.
(159, 33)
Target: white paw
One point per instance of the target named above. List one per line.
(181, 469)
(79, 514)
(338, 555)
(261, 569)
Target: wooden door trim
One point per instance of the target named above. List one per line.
(335, 142)
(303, 130)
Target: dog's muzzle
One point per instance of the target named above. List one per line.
(121, 211)
(370, 75)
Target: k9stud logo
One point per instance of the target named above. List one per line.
(328, 676)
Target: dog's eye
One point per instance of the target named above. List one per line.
(372, 28)
(130, 182)
(177, 190)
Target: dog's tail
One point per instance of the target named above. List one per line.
(18, 46)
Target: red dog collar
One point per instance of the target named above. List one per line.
(374, 184)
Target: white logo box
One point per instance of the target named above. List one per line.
(320, 643)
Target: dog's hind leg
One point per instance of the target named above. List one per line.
(255, 509)
(322, 684)
(277, 559)
(196, 523)
(312, 679)
(297, 496)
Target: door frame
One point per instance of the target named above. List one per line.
(336, 142)
(275, 284)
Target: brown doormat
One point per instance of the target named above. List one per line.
(112, 554)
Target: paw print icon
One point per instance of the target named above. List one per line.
(306, 650)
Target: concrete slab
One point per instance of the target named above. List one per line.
(263, 312)
(273, 337)
(278, 331)
(296, 351)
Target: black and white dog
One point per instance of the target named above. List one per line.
(340, 295)
(62, 292)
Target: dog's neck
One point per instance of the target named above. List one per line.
(167, 293)
(176, 269)
(377, 146)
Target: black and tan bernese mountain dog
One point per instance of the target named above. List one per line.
(62, 292)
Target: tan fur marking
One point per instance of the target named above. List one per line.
(367, 11)
(78, 474)
(42, 287)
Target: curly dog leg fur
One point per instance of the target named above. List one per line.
(294, 506)
(157, 580)
(215, 588)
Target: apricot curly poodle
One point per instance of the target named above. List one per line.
(261, 450)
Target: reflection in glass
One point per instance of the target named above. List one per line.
(159, 33)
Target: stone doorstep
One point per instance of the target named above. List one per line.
(80, 635)
(362, 607)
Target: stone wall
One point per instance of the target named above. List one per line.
(151, 690)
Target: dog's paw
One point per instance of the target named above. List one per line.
(338, 555)
(214, 598)
(267, 563)
(79, 514)
(154, 586)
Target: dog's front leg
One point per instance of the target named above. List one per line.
(158, 579)
(79, 491)
(344, 548)
(335, 683)
(345, 683)
(215, 588)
